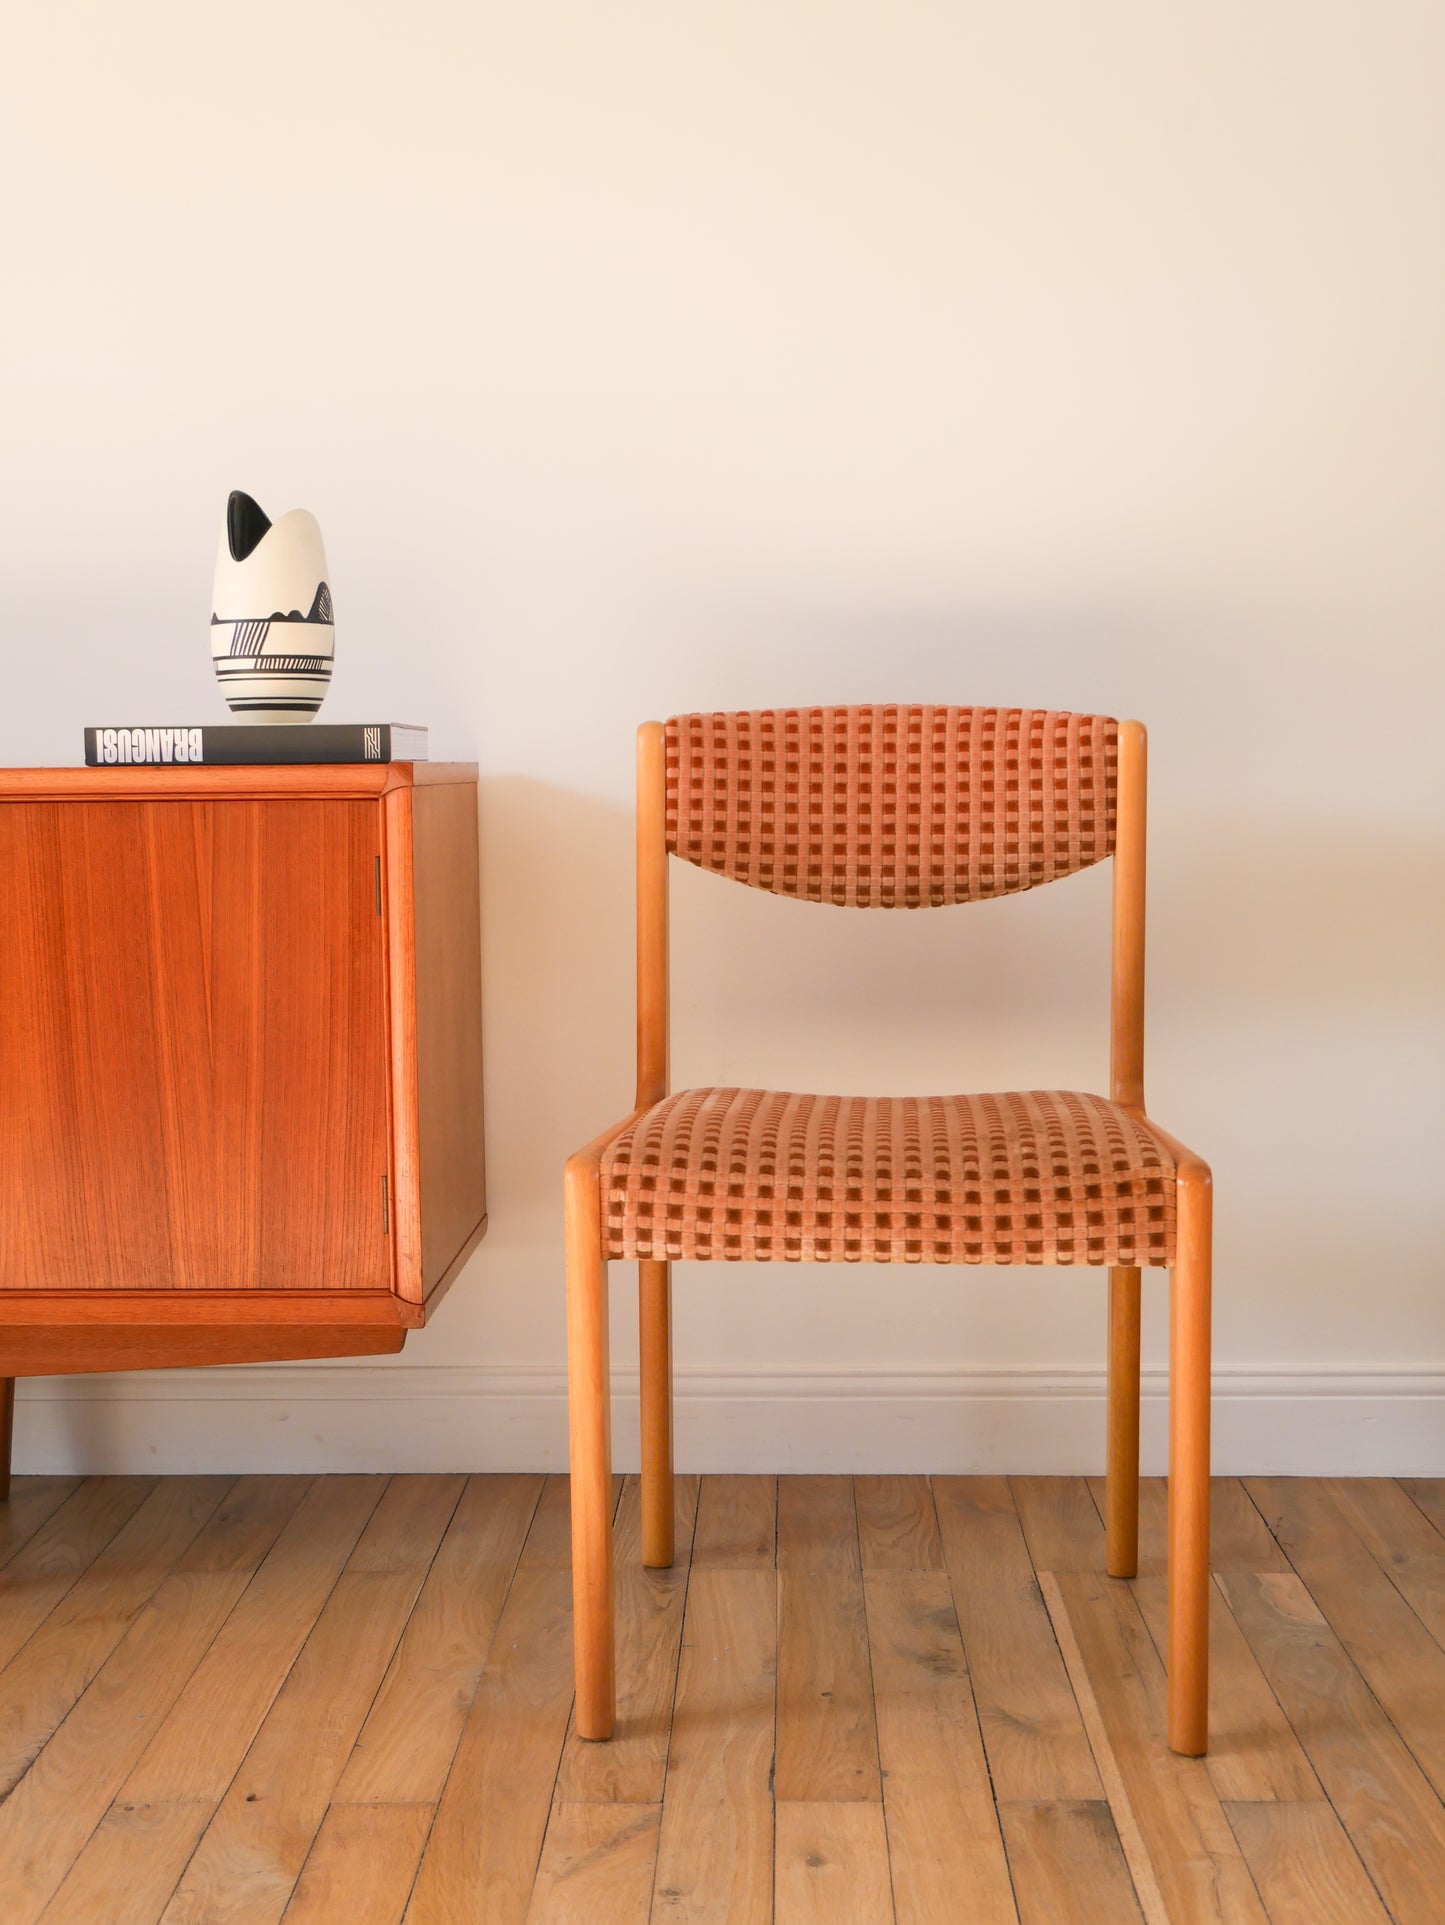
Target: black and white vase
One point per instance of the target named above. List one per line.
(273, 636)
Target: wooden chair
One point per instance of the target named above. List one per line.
(891, 808)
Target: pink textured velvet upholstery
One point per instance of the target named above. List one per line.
(889, 807)
(1034, 1176)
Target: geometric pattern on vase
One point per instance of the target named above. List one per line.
(273, 633)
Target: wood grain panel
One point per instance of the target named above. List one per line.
(1395, 1654)
(410, 1736)
(1387, 1806)
(192, 1052)
(73, 1347)
(140, 1850)
(74, 954)
(1032, 1730)
(42, 1571)
(715, 1855)
(482, 1855)
(399, 909)
(205, 783)
(943, 1831)
(447, 938)
(1068, 1867)
(597, 1865)
(62, 1798)
(195, 1752)
(1172, 1825)
(130, 1803)
(173, 1310)
(827, 1746)
(1400, 1538)
(1304, 1865)
(1063, 1529)
(7, 1434)
(254, 1848)
(250, 1518)
(361, 1866)
(827, 1740)
(897, 1527)
(737, 1524)
(44, 1679)
(817, 1525)
(832, 1865)
(255, 1845)
(31, 1501)
(1427, 1494)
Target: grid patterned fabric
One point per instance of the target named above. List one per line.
(1035, 1176)
(892, 808)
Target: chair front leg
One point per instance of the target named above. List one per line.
(1189, 1380)
(654, 1281)
(590, 1440)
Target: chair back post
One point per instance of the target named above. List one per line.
(1126, 1037)
(652, 1017)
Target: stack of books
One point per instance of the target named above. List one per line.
(234, 744)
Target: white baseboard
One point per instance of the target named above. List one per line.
(413, 1417)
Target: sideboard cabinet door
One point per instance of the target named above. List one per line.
(193, 1046)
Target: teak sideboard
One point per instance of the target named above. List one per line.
(240, 1062)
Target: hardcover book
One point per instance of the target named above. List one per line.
(236, 744)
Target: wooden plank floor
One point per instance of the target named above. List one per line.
(348, 1700)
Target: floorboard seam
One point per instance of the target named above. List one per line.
(977, 1718)
(1435, 1790)
(481, 1673)
(62, 1499)
(1381, 1566)
(371, 1706)
(1131, 1838)
(672, 1701)
(281, 1686)
(115, 1800)
(1420, 1508)
(216, 1806)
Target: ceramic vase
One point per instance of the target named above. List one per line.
(272, 632)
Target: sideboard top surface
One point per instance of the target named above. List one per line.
(358, 780)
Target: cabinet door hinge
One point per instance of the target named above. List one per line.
(385, 1209)
(378, 885)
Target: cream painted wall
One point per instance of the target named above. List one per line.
(652, 357)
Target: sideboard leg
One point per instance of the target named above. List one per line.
(7, 1432)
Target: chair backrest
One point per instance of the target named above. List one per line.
(892, 807)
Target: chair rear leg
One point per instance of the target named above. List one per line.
(655, 1315)
(1189, 1374)
(590, 1439)
(1121, 1483)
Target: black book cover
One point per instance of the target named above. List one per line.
(239, 743)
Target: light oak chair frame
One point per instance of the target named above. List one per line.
(589, 1387)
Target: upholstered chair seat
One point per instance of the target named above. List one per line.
(1030, 1176)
